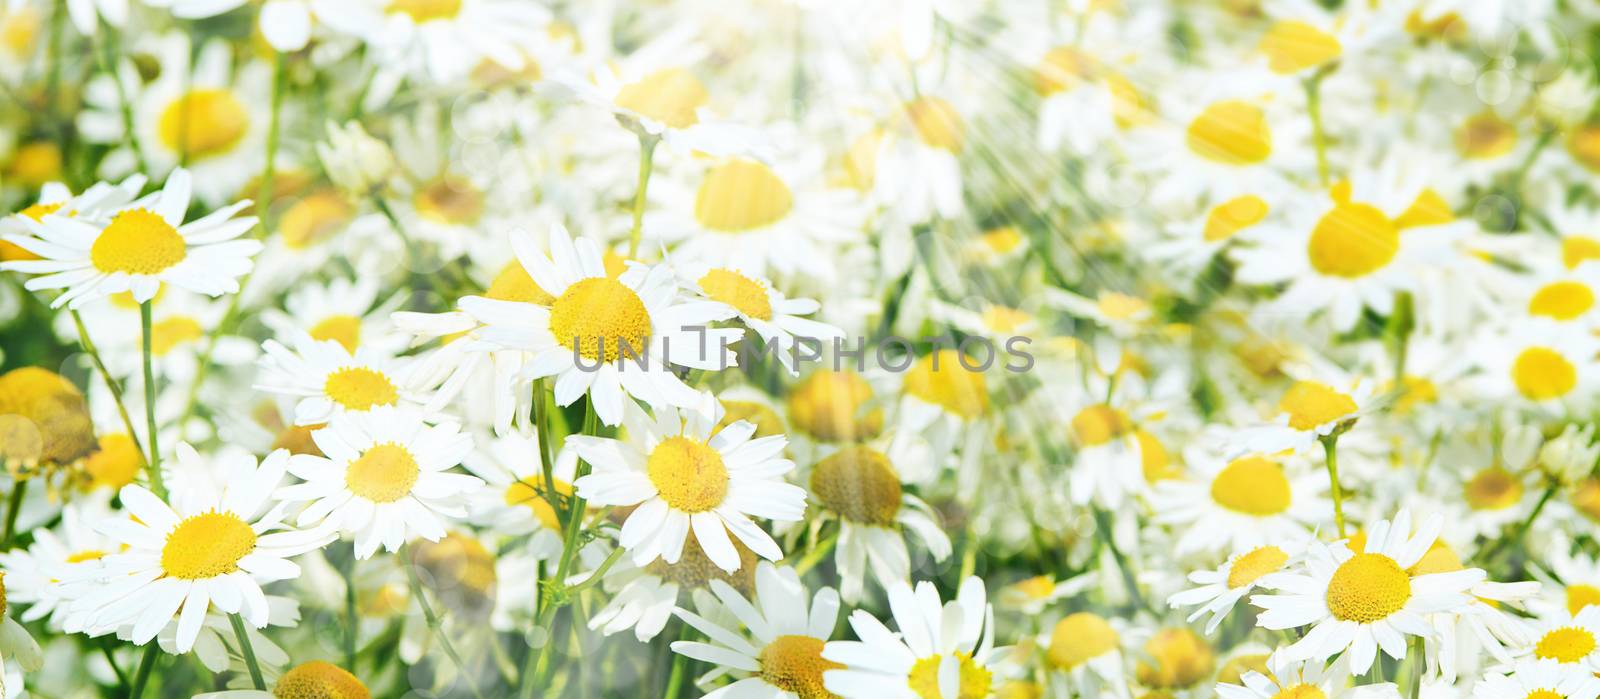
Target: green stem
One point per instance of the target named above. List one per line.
(1102, 527)
(594, 578)
(108, 63)
(111, 383)
(1488, 555)
(12, 509)
(352, 622)
(556, 584)
(1419, 665)
(1319, 137)
(434, 625)
(541, 431)
(675, 680)
(248, 651)
(647, 157)
(816, 554)
(154, 461)
(142, 676)
(111, 659)
(1330, 446)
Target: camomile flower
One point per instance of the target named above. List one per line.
(1540, 362)
(181, 326)
(688, 476)
(643, 598)
(137, 248)
(442, 202)
(440, 40)
(610, 338)
(1031, 595)
(1568, 298)
(1220, 589)
(1580, 243)
(385, 478)
(56, 198)
(1241, 503)
(1568, 639)
(1538, 679)
(758, 304)
(1305, 37)
(211, 546)
(1107, 456)
(72, 550)
(315, 678)
(1571, 580)
(216, 646)
(341, 310)
(285, 24)
(1084, 652)
(780, 654)
(327, 379)
(1225, 136)
(1364, 600)
(1192, 242)
(15, 642)
(917, 163)
(941, 650)
(1304, 678)
(861, 486)
(1483, 626)
(513, 502)
(1308, 411)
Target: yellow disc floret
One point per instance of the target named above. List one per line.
(1562, 300)
(206, 545)
(1292, 46)
(1179, 658)
(1541, 373)
(425, 10)
(741, 194)
(203, 123)
(1099, 424)
(672, 96)
(1369, 587)
(1310, 404)
(943, 380)
(319, 680)
(973, 679)
(688, 474)
(137, 241)
(1249, 567)
(450, 201)
(744, 294)
(1252, 485)
(600, 313)
(43, 417)
(342, 328)
(383, 473)
(1231, 132)
(795, 664)
(859, 484)
(1566, 644)
(1232, 216)
(1353, 240)
(514, 284)
(832, 406)
(1580, 596)
(360, 388)
(1078, 638)
(1493, 488)
(936, 123)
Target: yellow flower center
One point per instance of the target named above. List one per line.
(383, 473)
(1231, 132)
(1301, 691)
(43, 417)
(1367, 588)
(115, 464)
(795, 664)
(1249, 567)
(1292, 46)
(1129, 107)
(1580, 596)
(1577, 249)
(936, 123)
(86, 555)
(1118, 306)
(1562, 300)
(203, 123)
(425, 10)
(450, 201)
(859, 484)
(1440, 558)
(942, 380)
(1541, 373)
(1180, 658)
(600, 313)
(1352, 240)
(672, 97)
(137, 241)
(1493, 488)
(1078, 638)
(206, 545)
(764, 418)
(688, 474)
(319, 680)
(1429, 209)
(36, 163)
(342, 328)
(1002, 240)
(1484, 136)
(461, 567)
(168, 333)
(1099, 424)
(831, 406)
(1415, 391)
(525, 492)
(1233, 670)
(1154, 461)
(746, 295)
(1062, 68)
(1310, 404)
(739, 195)
(1037, 587)
(1252, 485)
(1586, 498)
(514, 284)
(313, 219)
(360, 388)
(1567, 644)
(1584, 146)
(1232, 216)
(694, 570)
(973, 682)
(1004, 320)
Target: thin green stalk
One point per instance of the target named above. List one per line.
(248, 651)
(111, 659)
(1319, 137)
(434, 624)
(111, 383)
(675, 680)
(817, 553)
(153, 460)
(1419, 665)
(594, 578)
(12, 509)
(569, 549)
(352, 622)
(647, 157)
(541, 431)
(1102, 527)
(1330, 446)
(141, 676)
(108, 63)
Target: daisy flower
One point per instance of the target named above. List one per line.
(1538, 679)
(513, 503)
(70, 551)
(644, 598)
(1085, 650)
(940, 650)
(1220, 589)
(606, 337)
(1241, 503)
(341, 310)
(918, 162)
(1305, 678)
(216, 646)
(15, 642)
(137, 248)
(326, 379)
(439, 40)
(1308, 411)
(758, 303)
(1227, 135)
(686, 474)
(861, 486)
(1107, 459)
(780, 656)
(1364, 600)
(1484, 626)
(211, 546)
(309, 679)
(385, 478)
(1569, 639)
(56, 198)
(1541, 362)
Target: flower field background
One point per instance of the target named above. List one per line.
(916, 349)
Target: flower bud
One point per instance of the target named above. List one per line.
(355, 161)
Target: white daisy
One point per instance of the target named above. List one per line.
(211, 546)
(385, 478)
(684, 473)
(861, 486)
(1569, 639)
(1306, 678)
(605, 337)
(440, 41)
(137, 248)
(940, 650)
(1544, 363)
(759, 304)
(1308, 411)
(1538, 679)
(341, 310)
(1220, 589)
(1241, 503)
(1365, 600)
(70, 551)
(328, 379)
